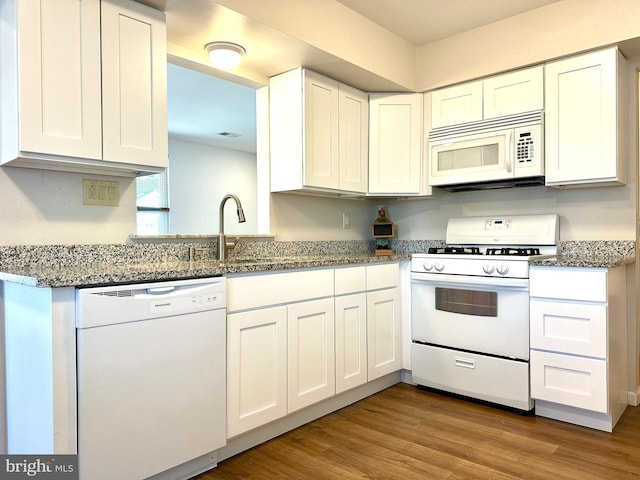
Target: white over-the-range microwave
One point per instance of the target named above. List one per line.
(501, 152)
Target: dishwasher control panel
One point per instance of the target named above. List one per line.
(118, 304)
(186, 303)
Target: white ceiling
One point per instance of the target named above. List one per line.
(201, 106)
(425, 21)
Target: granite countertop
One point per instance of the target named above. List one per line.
(589, 254)
(100, 273)
(93, 265)
(583, 260)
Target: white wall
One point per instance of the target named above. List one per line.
(300, 217)
(39, 207)
(199, 176)
(605, 213)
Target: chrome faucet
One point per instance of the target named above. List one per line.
(222, 241)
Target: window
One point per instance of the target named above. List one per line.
(152, 202)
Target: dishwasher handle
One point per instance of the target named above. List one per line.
(160, 290)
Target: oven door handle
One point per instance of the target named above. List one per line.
(453, 281)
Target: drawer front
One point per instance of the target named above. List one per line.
(383, 276)
(261, 290)
(575, 328)
(497, 380)
(569, 283)
(575, 381)
(350, 280)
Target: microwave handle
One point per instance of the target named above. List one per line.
(510, 152)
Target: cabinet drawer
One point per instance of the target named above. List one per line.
(383, 276)
(575, 381)
(569, 283)
(472, 375)
(576, 328)
(350, 280)
(262, 290)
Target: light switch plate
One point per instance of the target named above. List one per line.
(101, 192)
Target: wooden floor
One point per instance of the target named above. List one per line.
(407, 433)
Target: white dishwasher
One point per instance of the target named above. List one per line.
(151, 378)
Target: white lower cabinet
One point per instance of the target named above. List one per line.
(578, 344)
(384, 338)
(351, 341)
(311, 353)
(297, 338)
(256, 368)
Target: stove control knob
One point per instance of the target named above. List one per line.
(439, 266)
(428, 266)
(488, 268)
(503, 269)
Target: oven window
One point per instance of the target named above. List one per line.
(467, 302)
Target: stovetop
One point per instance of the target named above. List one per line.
(491, 246)
(509, 251)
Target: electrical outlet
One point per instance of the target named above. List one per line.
(346, 220)
(101, 192)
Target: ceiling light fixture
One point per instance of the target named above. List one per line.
(224, 55)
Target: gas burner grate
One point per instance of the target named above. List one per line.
(454, 250)
(513, 251)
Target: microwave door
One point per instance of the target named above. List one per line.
(477, 158)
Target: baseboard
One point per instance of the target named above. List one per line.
(633, 397)
(260, 435)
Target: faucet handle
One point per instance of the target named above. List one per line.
(232, 243)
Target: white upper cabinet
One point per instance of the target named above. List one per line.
(353, 139)
(457, 104)
(515, 92)
(395, 145)
(585, 118)
(318, 131)
(83, 86)
(498, 96)
(134, 84)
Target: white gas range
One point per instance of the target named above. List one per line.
(470, 307)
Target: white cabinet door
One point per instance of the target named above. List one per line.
(458, 104)
(311, 352)
(395, 144)
(569, 327)
(570, 380)
(134, 84)
(256, 368)
(351, 341)
(384, 332)
(59, 78)
(584, 124)
(320, 131)
(353, 139)
(83, 86)
(515, 92)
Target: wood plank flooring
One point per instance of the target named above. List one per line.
(407, 433)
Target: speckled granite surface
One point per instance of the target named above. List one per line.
(92, 265)
(593, 254)
(88, 265)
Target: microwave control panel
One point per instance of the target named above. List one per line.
(528, 144)
(524, 146)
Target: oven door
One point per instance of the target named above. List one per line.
(476, 314)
